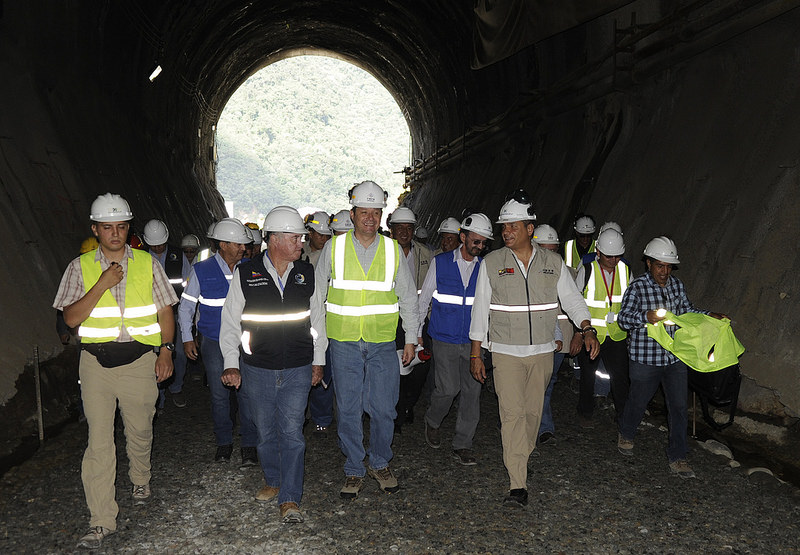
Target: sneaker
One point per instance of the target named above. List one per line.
(267, 493)
(516, 497)
(140, 494)
(432, 436)
(465, 457)
(352, 485)
(547, 437)
(624, 446)
(224, 453)
(320, 430)
(94, 537)
(386, 480)
(179, 399)
(290, 513)
(585, 422)
(249, 457)
(682, 469)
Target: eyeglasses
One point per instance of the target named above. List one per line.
(520, 196)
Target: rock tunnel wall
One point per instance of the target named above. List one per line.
(700, 148)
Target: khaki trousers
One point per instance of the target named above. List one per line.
(520, 383)
(134, 386)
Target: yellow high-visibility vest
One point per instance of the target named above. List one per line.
(572, 257)
(600, 306)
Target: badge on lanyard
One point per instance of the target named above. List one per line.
(611, 318)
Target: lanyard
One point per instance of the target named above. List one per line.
(609, 292)
(280, 283)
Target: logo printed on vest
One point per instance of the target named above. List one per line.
(549, 271)
(300, 279)
(257, 280)
(173, 257)
(504, 271)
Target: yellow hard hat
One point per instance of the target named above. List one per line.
(89, 244)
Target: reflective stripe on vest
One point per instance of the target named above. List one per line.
(596, 297)
(453, 299)
(292, 317)
(359, 305)
(211, 302)
(140, 316)
(522, 308)
(572, 257)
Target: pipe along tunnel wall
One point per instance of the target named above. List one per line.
(694, 138)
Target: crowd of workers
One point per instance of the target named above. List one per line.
(338, 318)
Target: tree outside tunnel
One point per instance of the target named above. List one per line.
(302, 131)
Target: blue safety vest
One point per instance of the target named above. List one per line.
(214, 285)
(451, 307)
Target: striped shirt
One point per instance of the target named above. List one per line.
(642, 295)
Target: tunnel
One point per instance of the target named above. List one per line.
(670, 118)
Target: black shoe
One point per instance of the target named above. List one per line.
(516, 497)
(409, 416)
(223, 453)
(398, 427)
(249, 457)
(547, 437)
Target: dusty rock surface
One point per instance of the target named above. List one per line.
(584, 497)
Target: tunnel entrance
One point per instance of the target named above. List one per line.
(301, 131)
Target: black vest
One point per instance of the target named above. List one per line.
(173, 267)
(279, 344)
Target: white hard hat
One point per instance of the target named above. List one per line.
(449, 225)
(190, 242)
(155, 233)
(318, 221)
(662, 249)
(545, 235)
(284, 219)
(230, 230)
(368, 194)
(610, 242)
(517, 208)
(478, 223)
(251, 234)
(341, 221)
(585, 225)
(110, 208)
(611, 225)
(403, 215)
(210, 232)
(421, 233)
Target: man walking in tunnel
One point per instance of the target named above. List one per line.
(268, 347)
(516, 306)
(583, 243)
(207, 286)
(122, 301)
(368, 288)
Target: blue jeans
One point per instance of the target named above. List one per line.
(277, 403)
(221, 399)
(367, 377)
(644, 383)
(320, 400)
(547, 424)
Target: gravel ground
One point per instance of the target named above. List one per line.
(584, 497)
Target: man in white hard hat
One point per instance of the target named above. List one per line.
(418, 257)
(205, 291)
(645, 301)
(268, 349)
(449, 290)
(190, 244)
(603, 282)
(583, 243)
(340, 223)
(177, 268)
(448, 233)
(318, 234)
(122, 301)
(254, 249)
(516, 304)
(368, 288)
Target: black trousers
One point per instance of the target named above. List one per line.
(615, 358)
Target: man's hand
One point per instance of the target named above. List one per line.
(559, 345)
(231, 377)
(409, 352)
(419, 342)
(164, 365)
(111, 276)
(719, 316)
(592, 344)
(316, 374)
(576, 344)
(190, 348)
(477, 368)
(653, 317)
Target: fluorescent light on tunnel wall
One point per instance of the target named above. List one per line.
(156, 73)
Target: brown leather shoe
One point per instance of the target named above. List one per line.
(267, 493)
(290, 513)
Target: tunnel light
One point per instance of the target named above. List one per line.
(156, 73)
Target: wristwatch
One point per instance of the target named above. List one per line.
(169, 346)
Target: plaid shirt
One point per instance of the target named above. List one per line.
(72, 290)
(645, 294)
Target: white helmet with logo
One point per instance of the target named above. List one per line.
(110, 208)
(318, 221)
(517, 208)
(155, 233)
(585, 225)
(478, 223)
(230, 230)
(449, 225)
(368, 194)
(341, 222)
(610, 242)
(611, 225)
(284, 219)
(662, 249)
(403, 215)
(190, 242)
(545, 235)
